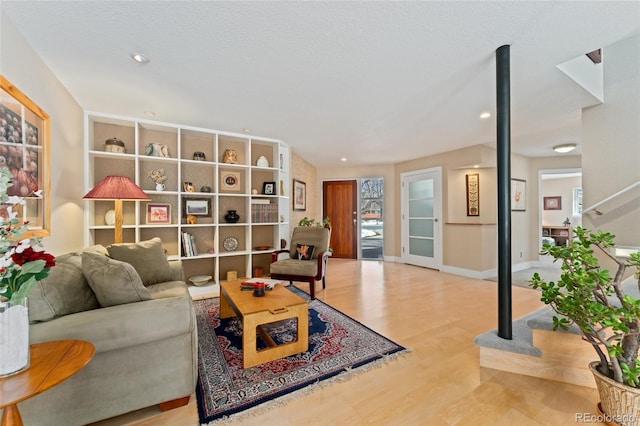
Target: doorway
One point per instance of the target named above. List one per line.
(421, 205)
(340, 204)
(560, 207)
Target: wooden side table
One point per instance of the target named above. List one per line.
(50, 363)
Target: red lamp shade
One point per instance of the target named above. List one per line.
(117, 188)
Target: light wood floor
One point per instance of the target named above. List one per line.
(439, 382)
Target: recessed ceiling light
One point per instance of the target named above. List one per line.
(140, 58)
(343, 159)
(150, 113)
(476, 166)
(246, 130)
(485, 115)
(564, 148)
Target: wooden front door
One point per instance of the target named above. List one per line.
(340, 203)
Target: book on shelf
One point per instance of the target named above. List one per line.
(264, 213)
(189, 245)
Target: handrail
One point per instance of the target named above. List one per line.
(611, 197)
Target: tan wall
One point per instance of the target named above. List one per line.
(563, 188)
(20, 64)
(611, 148)
(307, 173)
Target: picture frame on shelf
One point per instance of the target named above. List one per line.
(518, 195)
(230, 181)
(158, 213)
(196, 207)
(269, 188)
(552, 203)
(299, 195)
(188, 187)
(25, 138)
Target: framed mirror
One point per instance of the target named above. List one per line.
(24, 149)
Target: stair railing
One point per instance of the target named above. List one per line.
(594, 207)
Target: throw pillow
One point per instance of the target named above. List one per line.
(113, 282)
(65, 291)
(147, 257)
(304, 251)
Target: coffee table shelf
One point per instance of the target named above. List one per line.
(276, 305)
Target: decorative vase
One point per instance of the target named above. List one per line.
(14, 336)
(231, 216)
(159, 186)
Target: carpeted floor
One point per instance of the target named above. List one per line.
(521, 278)
(338, 344)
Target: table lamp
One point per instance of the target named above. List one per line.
(119, 189)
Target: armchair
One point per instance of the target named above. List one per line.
(293, 267)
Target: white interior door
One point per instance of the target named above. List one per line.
(421, 212)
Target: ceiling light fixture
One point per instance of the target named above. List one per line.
(485, 115)
(564, 148)
(247, 130)
(343, 159)
(140, 58)
(150, 113)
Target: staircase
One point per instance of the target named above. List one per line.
(538, 351)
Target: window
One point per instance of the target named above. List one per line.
(577, 201)
(371, 218)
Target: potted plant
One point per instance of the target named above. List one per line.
(20, 268)
(608, 318)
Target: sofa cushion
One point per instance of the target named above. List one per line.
(65, 291)
(147, 257)
(114, 282)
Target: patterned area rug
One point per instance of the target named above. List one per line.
(337, 344)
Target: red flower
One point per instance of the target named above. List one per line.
(29, 255)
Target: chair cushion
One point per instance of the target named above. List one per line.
(294, 267)
(147, 257)
(114, 282)
(64, 291)
(304, 251)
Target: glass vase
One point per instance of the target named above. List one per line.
(14, 336)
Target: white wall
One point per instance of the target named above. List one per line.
(20, 64)
(560, 187)
(611, 145)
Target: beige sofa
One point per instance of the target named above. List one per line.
(146, 349)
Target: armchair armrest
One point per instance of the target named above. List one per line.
(322, 263)
(275, 254)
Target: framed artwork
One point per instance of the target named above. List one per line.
(158, 213)
(188, 187)
(230, 181)
(196, 206)
(552, 203)
(24, 147)
(518, 195)
(269, 188)
(299, 195)
(473, 194)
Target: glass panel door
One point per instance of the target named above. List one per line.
(371, 218)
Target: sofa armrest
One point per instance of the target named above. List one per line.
(120, 326)
(177, 271)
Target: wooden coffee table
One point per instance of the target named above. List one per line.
(50, 363)
(277, 304)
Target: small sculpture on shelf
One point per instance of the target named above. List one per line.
(158, 177)
(199, 156)
(232, 216)
(155, 149)
(191, 219)
(566, 222)
(230, 156)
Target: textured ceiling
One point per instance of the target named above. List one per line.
(376, 82)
